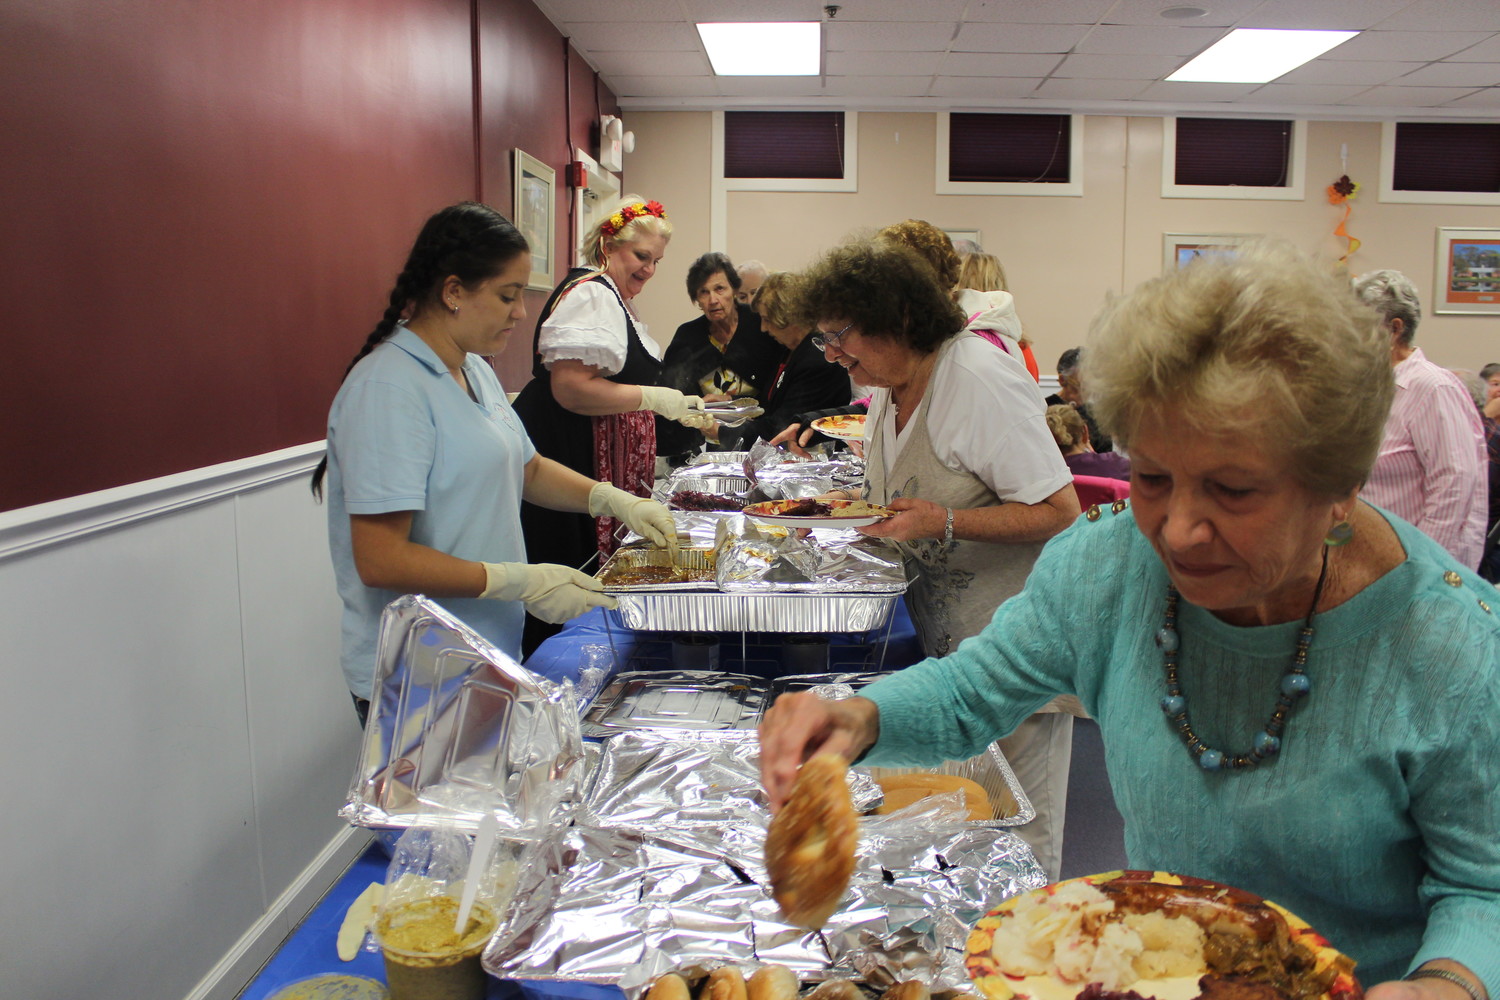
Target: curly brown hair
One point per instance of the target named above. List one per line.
(930, 243)
(883, 289)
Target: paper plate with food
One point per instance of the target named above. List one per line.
(812, 513)
(845, 426)
(1143, 934)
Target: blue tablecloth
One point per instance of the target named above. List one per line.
(310, 949)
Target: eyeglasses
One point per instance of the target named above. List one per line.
(823, 341)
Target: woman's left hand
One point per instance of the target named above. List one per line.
(647, 518)
(1429, 988)
(916, 519)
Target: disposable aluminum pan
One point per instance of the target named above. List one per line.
(711, 611)
(697, 564)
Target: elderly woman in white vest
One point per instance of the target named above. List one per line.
(957, 443)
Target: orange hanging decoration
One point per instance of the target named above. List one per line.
(1340, 192)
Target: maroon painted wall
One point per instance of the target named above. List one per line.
(206, 202)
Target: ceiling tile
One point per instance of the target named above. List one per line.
(603, 37)
(1485, 51)
(770, 86)
(1013, 37)
(978, 87)
(1322, 15)
(663, 86)
(1221, 13)
(876, 86)
(613, 64)
(1031, 12)
(1339, 72)
(745, 10)
(1196, 92)
(883, 10)
(1409, 97)
(1446, 15)
(888, 36)
(1092, 90)
(1099, 66)
(1173, 41)
(1405, 46)
(999, 64)
(1304, 93)
(1450, 74)
(907, 64)
(1487, 98)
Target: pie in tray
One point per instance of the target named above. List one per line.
(1142, 934)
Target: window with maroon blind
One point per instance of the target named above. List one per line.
(1447, 156)
(1233, 152)
(1022, 149)
(786, 144)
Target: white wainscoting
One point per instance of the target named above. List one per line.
(176, 732)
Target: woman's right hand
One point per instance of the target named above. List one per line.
(794, 443)
(551, 592)
(674, 405)
(801, 725)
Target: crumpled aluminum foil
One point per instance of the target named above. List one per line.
(665, 872)
(755, 557)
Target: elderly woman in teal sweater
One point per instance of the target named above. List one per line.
(1298, 693)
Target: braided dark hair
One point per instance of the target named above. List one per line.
(469, 241)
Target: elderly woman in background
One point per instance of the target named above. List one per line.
(957, 444)
(1431, 466)
(804, 381)
(594, 388)
(723, 354)
(752, 275)
(1072, 437)
(985, 297)
(1298, 693)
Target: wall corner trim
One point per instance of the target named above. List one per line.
(30, 528)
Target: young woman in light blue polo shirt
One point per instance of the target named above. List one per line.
(427, 463)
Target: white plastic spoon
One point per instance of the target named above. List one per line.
(484, 842)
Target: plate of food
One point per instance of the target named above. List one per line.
(844, 426)
(1151, 934)
(809, 512)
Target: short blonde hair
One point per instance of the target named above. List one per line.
(1066, 425)
(596, 246)
(930, 243)
(982, 272)
(1264, 342)
(774, 299)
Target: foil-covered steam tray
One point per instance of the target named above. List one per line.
(713, 611)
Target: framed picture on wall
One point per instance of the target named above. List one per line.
(972, 235)
(1181, 249)
(534, 201)
(1468, 271)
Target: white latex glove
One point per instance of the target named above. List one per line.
(551, 592)
(647, 518)
(686, 410)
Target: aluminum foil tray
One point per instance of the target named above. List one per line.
(720, 458)
(712, 611)
(992, 772)
(676, 700)
(697, 562)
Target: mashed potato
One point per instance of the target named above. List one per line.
(1075, 935)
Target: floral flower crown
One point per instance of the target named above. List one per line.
(628, 214)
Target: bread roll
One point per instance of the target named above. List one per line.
(773, 982)
(810, 845)
(901, 790)
(724, 983)
(669, 987)
(912, 989)
(836, 989)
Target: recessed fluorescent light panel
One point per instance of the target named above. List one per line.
(763, 48)
(1258, 55)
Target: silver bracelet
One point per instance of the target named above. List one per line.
(1452, 977)
(948, 540)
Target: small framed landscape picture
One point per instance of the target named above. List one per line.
(1468, 271)
(534, 201)
(1181, 249)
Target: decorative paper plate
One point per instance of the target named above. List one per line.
(845, 426)
(809, 513)
(1049, 934)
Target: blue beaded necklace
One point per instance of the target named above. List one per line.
(1294, 685)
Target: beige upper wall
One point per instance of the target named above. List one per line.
(1062, 255)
